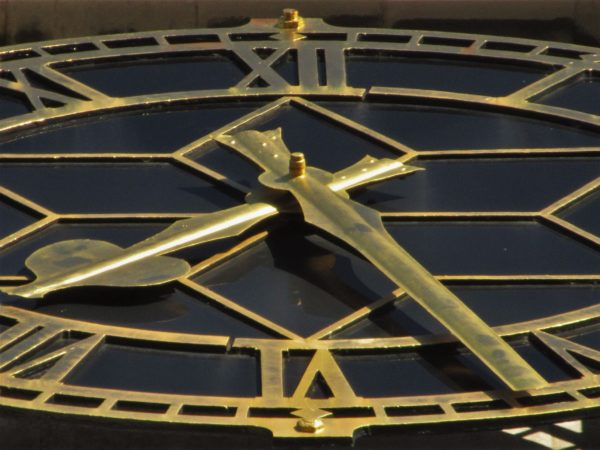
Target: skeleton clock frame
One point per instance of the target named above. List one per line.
(35, 75)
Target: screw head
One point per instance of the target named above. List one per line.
(309, 425)
(311, 420)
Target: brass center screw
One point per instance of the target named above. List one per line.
(297, 164)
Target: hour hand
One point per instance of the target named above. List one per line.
(87, 262)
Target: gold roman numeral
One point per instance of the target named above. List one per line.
(261, 68)
(45, 87)
(312, 59)
(271, 369)
(566, 350)
(22, 351)
(321, 365)
(324, 364)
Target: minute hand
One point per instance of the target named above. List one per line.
(362, 228)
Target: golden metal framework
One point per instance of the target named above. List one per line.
(30, 331)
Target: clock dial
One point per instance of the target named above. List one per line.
(287, 323)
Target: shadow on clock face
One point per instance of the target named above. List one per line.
(307, 282)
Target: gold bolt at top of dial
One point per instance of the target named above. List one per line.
(297, 164)
(290, 19)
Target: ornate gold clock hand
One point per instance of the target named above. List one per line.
(363, 229)
(85, 262)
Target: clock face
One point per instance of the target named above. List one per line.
(283, 326)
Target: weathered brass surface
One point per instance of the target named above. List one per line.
(362, 229)
(30, 331)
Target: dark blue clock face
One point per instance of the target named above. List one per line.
(297, 277)
(504, 215)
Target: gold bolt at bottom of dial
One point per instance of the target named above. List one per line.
(309, 425)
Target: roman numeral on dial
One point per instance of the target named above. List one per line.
(320, 67)
(571, 353)
(322, 366)
(38, 352)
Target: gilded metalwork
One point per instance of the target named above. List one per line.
(316, 45)
(363, 230)
(87, 262)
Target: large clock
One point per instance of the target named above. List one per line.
(429, 261)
